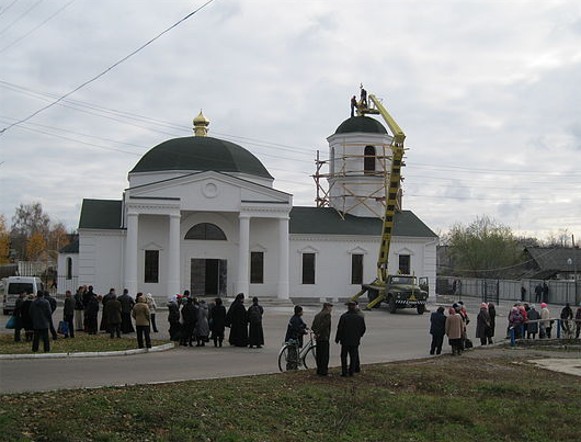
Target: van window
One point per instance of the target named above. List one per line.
(16, 288)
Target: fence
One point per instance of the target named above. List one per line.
(496, 290)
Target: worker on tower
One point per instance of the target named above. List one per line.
(363, 101)
(353, 105)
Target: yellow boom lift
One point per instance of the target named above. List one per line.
(398, 290)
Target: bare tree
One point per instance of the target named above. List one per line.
(483, 249)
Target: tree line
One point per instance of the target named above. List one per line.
(32, 236)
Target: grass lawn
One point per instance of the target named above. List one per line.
(80, 343)
(484, 395)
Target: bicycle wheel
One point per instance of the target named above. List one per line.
(310, 359)
(283, 358)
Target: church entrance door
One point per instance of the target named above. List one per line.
(208, 277)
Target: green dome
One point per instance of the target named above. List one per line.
(201, 154)
(361, 124)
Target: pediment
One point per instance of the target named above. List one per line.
(209, 190)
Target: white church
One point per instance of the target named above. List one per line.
(202, 214)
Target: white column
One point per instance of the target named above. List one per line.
(283, 264)
(242, 285)
(173, 262)
(131, 253)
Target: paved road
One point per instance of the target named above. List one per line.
(389, 337)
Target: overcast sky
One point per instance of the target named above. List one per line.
(487, 93)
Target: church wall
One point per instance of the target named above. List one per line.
(65, 284)
(153, 235)
(264, 238)
(101, 259)
(333, 262)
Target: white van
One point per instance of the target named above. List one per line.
(15, 285)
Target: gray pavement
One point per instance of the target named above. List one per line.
(389, 337)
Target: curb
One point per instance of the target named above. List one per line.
(94, 354)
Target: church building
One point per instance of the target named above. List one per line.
(202, 214)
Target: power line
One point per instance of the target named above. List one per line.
(21, 16)
(113, 66)
(5, 48)
(8, 7)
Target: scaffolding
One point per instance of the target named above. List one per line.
(344, 184)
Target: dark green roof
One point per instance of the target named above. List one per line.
(326, 221)
(100, 214)
(106, 214)
(72, 247)
(361, 124)
(200, 154)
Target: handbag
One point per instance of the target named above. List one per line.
(63, 328)
(11, 324)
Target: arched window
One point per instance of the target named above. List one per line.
(69, 268)
(206, 231)
(369, 160)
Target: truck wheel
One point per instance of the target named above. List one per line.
(421, 309)
(391, 306)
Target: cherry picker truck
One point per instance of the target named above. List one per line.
(398, 291)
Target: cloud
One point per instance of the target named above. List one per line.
(485, 91)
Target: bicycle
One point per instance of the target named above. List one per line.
(291, 357)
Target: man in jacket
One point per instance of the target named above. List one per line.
(322, 328)
(41, 316)
(127, 304)
(112, 315)
(141, 315)
(437, 330)
(350, 329)
(52, 302)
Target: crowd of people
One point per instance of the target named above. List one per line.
(193, 320)
(34, 315)
(524, 320)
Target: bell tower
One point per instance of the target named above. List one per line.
(359, 162)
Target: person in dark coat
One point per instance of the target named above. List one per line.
(17, 313)
(79, 308)
(87, 296)
(173, 317)
(256, 334)
(322, 328)
(483, 324)
(127, 304)
(218, 322)
(237, 320)
(492, 314)
(41, 316)
(112, 314)
(533, 327)
(566, 316)
(92, 313)
(52, 302)
(188, 322)
(108, 297)
(437, 330)
(350, 329)
(545, 292)
(69, 314)
(26, 318)
(578, 322)
(295, 330)
(538, 292)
